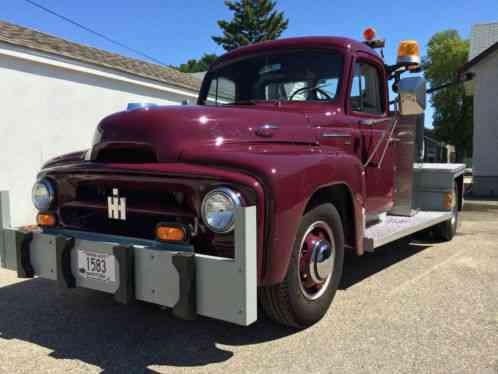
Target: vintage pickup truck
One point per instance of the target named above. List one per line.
(293, 157)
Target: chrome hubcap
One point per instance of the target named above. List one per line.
(320, 264)
(316, 260)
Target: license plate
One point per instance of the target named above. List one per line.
(97, 266)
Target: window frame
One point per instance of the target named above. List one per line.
(382, 87)
(204, 91)
(219, 100)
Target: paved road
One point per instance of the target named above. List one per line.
(413, 308)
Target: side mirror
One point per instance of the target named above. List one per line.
(411, 95)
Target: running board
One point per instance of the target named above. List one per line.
(397, 227)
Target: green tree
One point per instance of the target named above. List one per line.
(196, 66)
(253, 21)
(447, 52)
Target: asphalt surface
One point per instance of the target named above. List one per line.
(420, 307)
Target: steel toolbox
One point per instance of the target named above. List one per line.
(433, 181)
(169, 275)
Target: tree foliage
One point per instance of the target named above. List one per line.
(196, 66)
(253, 21)
(447, 52)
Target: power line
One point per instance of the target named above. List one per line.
(77, 24)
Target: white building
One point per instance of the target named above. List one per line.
(54, 92)
(483, 63)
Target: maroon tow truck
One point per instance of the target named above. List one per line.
(293, 156)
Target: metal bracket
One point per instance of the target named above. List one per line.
(63, 247)
(124, 255)
(186, 307)
(23, 244)
(387, 143)
(368, 245)
(379, 143)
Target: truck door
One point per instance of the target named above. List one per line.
(368, 105)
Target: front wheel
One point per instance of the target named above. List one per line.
(314, 271)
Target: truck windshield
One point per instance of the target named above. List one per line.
(295, 76)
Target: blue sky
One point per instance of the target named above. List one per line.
(175, 31)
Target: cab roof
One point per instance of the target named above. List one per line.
(297, 43)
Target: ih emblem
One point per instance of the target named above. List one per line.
(116, 206)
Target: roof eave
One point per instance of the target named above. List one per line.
(487, 52)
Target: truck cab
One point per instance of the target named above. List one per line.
(290, 159)
(338, 85)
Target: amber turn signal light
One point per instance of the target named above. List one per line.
(45, 219)
(449, 200)
(170, 233)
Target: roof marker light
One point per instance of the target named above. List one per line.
(369, 34)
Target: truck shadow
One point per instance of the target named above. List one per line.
(90, 327)
(357, 268)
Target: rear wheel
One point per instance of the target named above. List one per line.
(314, 271)
(447, 230)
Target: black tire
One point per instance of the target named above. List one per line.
(286, 303)
(447, 230)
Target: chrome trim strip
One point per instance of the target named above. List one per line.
(335, 135)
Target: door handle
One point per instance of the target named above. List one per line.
(266, 130)
(268, 126)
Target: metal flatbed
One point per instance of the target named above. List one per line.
(396, 227)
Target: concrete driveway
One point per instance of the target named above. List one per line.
(419, 307)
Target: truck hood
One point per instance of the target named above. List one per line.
(168, 131)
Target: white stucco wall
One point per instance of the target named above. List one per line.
(485, 157)
(51, 106)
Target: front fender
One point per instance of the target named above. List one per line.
(292, 195)
(68, 158)
(290, 175)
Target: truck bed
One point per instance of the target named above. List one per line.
(396, 227)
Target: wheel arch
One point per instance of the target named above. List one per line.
(340, 195)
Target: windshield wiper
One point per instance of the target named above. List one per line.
(317, 87)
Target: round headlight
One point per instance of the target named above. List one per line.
(218, 209)
(43, 194)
